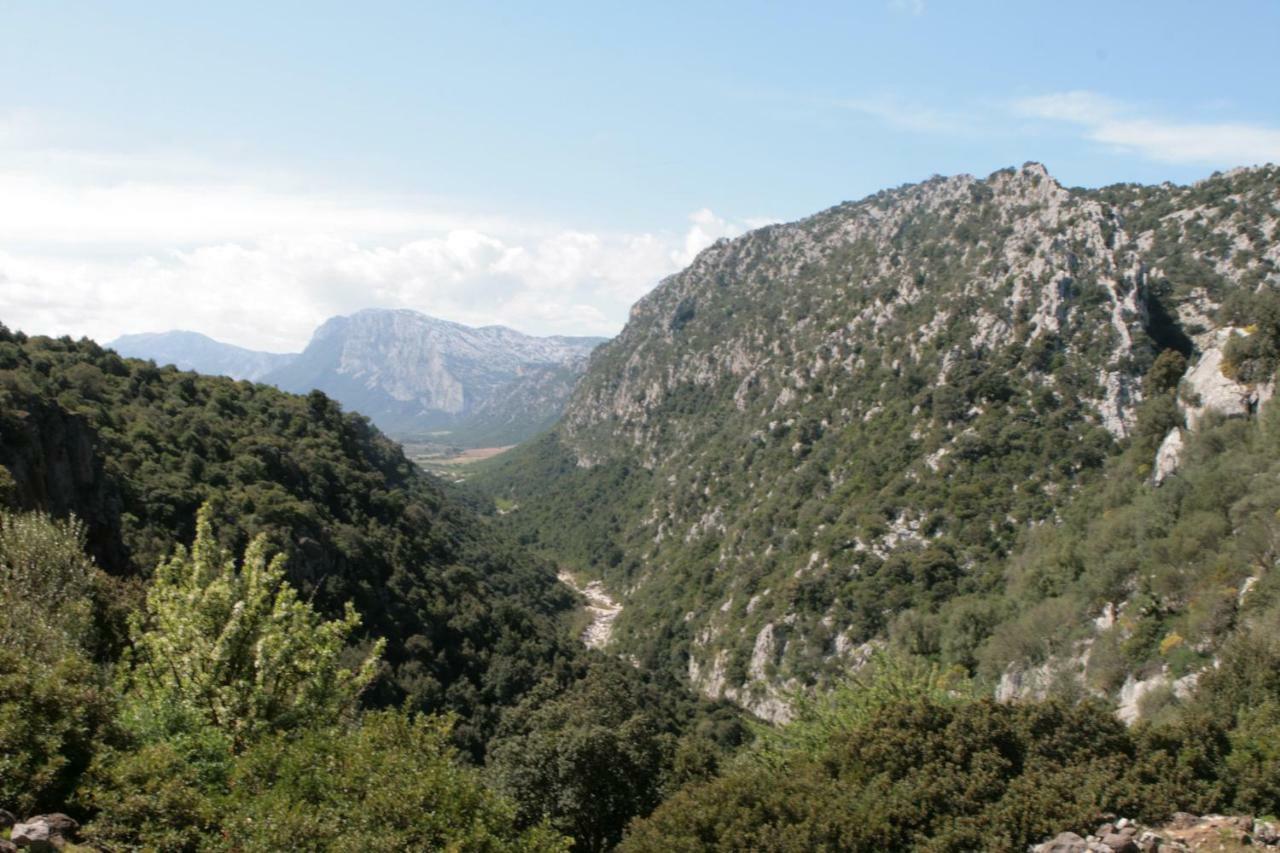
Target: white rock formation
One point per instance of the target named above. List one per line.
(1210, 389)
(1168, 456)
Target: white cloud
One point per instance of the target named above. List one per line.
(36, 210)
(1114, 123)
(705, 230)
(103, 244)
(263, 268)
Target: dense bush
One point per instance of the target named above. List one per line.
(911, 757)
(588, 756)
(54, 700)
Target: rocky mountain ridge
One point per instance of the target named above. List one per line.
(415, 376)
(824, 433)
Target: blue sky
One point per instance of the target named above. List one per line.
(250, 168)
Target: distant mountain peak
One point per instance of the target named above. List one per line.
(190, 350)
(413, 374)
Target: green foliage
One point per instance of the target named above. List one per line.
(46, 585)
(851, 704)
(235, 648)
(1253, 357)
(591, 755)
(393, 783)
(914, 773)
(51, 713)
(1254, 762)
(160, 794)
(53, 700)
(470, 619)
(909, 757)
(389, 782)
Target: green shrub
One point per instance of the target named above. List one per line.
(391, 783)
(54, 700)
(51, 713)
(233, 647)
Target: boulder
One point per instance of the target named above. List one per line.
(1120, 842)
(60, 824)
(1149, 842)
(1265, 832)
(33, 835)
(45, 832)
(1064, 842)
(7, 846)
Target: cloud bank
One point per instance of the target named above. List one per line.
(81, 254)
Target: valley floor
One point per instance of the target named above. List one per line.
(602, 608)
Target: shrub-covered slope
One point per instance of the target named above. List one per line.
(472, 621)
(828, 432)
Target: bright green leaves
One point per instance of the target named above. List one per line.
(235, 648)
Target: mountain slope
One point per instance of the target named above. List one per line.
(415, 375)
(194, 351)
(472, 621)
(829, 432)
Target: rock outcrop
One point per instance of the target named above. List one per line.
(44, 833)
(1181, 834)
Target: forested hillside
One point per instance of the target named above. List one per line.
(915, 418)
(470, 620)
(210, 588)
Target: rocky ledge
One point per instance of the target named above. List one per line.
(1184, 833)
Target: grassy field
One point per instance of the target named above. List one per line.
(449, 462)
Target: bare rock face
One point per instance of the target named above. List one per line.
(1167, 456)
(54, 459)
(1210, 389)
(412, 374)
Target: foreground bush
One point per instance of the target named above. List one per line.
(53, 698)
(390, 782)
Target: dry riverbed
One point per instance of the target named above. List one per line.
(600, 606)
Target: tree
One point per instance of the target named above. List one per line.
(236, 649)
(590, 758)
(52, 698)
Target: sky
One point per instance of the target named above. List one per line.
(247, 170)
